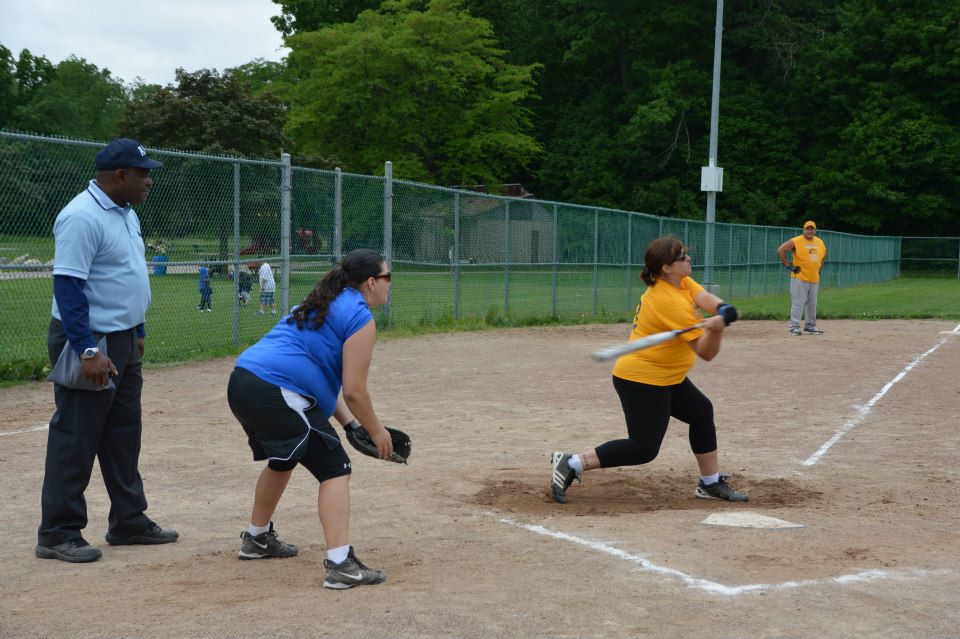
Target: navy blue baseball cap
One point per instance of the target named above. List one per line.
(124, 152)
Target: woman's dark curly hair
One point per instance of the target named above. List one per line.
(354, 269)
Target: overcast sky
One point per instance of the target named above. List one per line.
(149, 40)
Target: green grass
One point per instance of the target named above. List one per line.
(901, 298)
(423, 302)
(181, 249)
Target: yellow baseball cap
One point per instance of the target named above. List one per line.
(809, 223)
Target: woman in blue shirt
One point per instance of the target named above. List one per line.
(283, 391)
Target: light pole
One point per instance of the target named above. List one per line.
(711, 176)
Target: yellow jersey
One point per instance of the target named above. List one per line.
(809, 256)
(663, 307)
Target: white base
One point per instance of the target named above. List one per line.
(748, 520)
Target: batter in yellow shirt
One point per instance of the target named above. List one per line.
(663, 307)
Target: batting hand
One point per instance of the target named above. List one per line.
(795, 269)
(728, 312)
(715, 324)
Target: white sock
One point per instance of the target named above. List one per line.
(709, 480)
(575, 463)
(338, 555)
(258, 530)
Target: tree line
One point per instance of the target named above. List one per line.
(843, 111)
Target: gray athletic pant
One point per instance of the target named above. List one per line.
(803, 294)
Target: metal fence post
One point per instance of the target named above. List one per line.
(236, 252)
(629, 258)
(749, 257)
(596, 272)
(338, 215)
(553, 295)
(730, 262)
(766, 268)
(506, 259)
(388, 229)
(285, 233)
(456, 256)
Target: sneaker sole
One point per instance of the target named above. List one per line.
(701, 494)
(243, 555)
(50, 553)
(138, 541)
(338, 585)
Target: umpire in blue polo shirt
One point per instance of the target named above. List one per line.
(100, 289)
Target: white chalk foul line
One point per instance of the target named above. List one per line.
(26, 430)
(864, 410)
(714, 587)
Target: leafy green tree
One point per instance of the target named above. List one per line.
(885, 156)
(427, 89)
(31, 72)
(8, 85)
(298, 16)
(214, 114)
(207, 112)
(259, 75)
(78, 100)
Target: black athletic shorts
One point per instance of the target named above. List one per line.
(285, 427)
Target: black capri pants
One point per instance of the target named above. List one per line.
(648, 410)
(285, 428)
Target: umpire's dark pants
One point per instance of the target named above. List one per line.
(87, 424)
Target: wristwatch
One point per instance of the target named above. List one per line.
(90, 353)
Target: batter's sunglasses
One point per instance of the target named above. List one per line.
(385, 276)
(682, 257)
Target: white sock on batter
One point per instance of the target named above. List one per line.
(575, 463)
(709, 480)
(257, 530)
(338, 555)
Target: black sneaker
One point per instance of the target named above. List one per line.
(349, 573)
(563, 476)
(795, 331)
(720, 490)
(76, 551)
(813, 330)
(266, 545)
(153, 535)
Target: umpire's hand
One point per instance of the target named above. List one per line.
(98, 369)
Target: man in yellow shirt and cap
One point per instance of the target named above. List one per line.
(809, 254)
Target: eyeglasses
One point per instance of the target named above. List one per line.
(385, 276)
(809, 228)
(682, 257)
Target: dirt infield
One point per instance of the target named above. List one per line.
(470, 542)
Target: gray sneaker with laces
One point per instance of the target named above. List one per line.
(720, 490)
(349, 573)
(266, 545)
(812, 330)
(563, 476)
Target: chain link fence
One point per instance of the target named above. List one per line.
(456, 254)
(931, 256)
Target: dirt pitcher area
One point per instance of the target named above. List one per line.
(854, 436)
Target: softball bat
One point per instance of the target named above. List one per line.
(618, 350)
